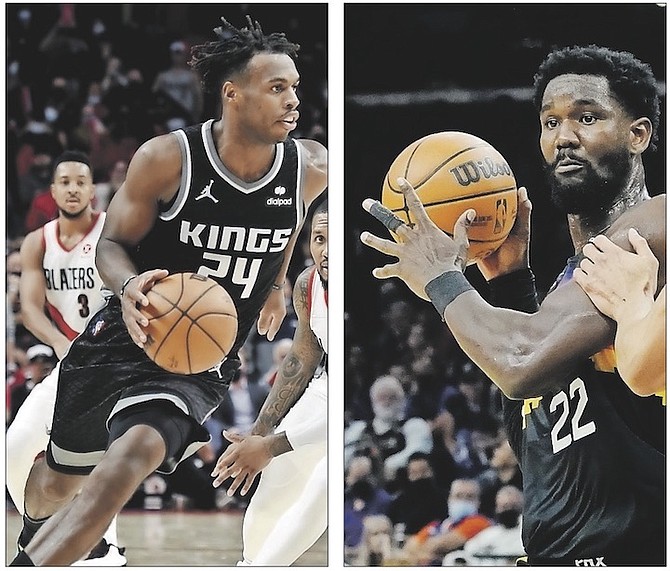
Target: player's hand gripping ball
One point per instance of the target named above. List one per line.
(192, 323)
(452, 172)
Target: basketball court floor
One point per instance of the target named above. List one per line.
(173, 538)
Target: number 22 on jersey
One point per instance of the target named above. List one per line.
(569, 427)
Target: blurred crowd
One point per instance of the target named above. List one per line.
(430, 477)
(104, 78)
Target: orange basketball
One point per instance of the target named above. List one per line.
(192, 323)
(452, 172)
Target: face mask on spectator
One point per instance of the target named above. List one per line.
(50, 114)
(420, 486)
(508, 518)
(458, 509)
(362, 489)
(388, 413)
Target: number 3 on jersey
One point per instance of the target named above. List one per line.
(242, 275)
(560, 438)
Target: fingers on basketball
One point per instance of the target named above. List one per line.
(192, 323)
(451, 172)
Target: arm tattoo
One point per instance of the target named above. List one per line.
(296, 370)
(291, 381)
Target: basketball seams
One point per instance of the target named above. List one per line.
(476, 175)
(426, 205)
(169, 331)
(436, 169)
(192, 322)
(444, 163)
(409, 160)
(175, 304)
(475, 240)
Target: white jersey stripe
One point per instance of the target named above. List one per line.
(185, 184)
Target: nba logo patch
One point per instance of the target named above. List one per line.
(501, 215)
(98, 327)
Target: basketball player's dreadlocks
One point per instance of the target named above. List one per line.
(217, 61)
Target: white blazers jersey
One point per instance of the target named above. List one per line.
(317, 302)
(73, 285)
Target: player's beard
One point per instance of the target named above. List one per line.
(593, 191)
(72, 215)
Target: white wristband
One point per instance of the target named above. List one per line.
(125, 283)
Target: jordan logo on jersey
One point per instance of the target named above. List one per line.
(207, 192)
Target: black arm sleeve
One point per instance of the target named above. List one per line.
(515, 290)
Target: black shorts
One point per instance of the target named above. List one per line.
(103, 373)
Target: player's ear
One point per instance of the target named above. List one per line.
(228, 92)
(640, 135)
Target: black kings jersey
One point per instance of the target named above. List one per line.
(222, 227)
(592, 455)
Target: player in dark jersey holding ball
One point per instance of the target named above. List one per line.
(592, 452)
(224, 199)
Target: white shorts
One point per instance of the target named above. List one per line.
(306, 423)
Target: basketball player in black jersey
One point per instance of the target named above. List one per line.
(592, 452)
(225, 199)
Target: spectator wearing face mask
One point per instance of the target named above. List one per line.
(420, 500)
(389, 439)
(434, 541)
(500, 544)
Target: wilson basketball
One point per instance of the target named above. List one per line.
(192, 323)
(452, 172)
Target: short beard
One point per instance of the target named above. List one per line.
(324, 282)
(72, 215)
(594, 193)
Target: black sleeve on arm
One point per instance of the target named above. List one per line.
(515, 290)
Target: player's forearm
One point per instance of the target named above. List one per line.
(41, 327)
(525, 354)
(292, 378)
(640, 350)
(113, 264)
